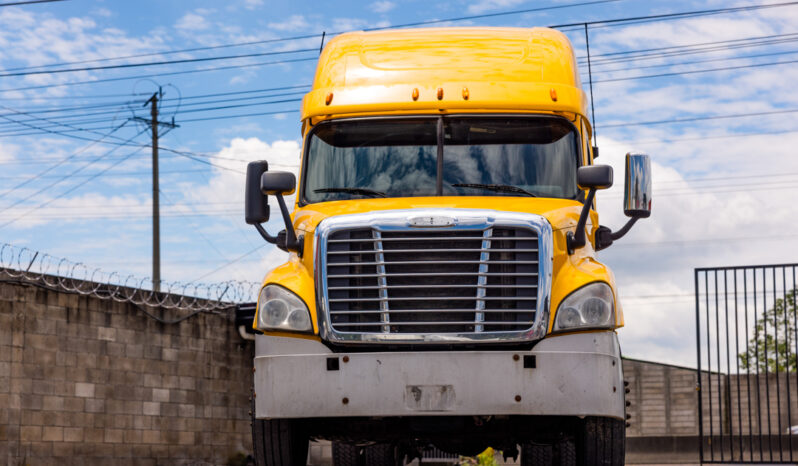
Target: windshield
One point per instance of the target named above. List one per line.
(477, 156)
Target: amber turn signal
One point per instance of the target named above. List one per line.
(328, 100)
(465, 93)
(415, 93)
(553, 94)
(440, 93)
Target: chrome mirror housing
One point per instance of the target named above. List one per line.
(637, 188)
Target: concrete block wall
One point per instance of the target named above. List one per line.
(90, 381)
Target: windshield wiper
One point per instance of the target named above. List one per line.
(502, 188)
(361, 191)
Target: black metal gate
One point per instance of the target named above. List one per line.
(747, 342)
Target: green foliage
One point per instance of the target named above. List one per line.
(486, 458)
(777, 323)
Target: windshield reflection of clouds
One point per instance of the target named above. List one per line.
(399, 157)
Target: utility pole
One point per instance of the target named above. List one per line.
(156, 214)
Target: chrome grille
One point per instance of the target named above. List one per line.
(432, 281)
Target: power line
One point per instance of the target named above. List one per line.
(683, 46)
(594, 23)
(683, 73)
(68, 191)
(156, 75)
(228, 263)
(700, 118)
(61, 162)
(65, 177)
(667, 16)
(310, 36)
(156, 63)
(29, 2)
(80, 117)
(695, 62)
(695, 51)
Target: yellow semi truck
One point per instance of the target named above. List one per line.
(442, 287)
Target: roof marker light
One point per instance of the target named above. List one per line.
(415, 93)
(440, 93)
(553, 94)
(329, 98)
(465, 93)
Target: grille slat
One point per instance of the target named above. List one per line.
(457, 238)
(427, 286)
(456, 274)
(446, 281)
(435, 298)
(427, 251)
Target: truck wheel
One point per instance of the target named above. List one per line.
(562, 453)
(344, 454)
(278, 442)
(380, 454)
(601, 441)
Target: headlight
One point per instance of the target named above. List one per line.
(280, 309)
(591, 306)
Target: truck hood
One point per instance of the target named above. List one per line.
(561, 213)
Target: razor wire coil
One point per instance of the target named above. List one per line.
(29, 266)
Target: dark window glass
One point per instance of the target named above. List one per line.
(394, 157)
(398, 157)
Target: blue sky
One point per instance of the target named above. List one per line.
(724, 188)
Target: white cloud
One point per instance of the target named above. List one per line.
(192, 22)
(487, 5)
(35, 37)
(293, 23)
(253, 4)
(8, 152)
(382, 6)
(228, 183)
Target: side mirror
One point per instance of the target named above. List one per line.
(637, 189)
(256, 205)
(636, 199)
(260, 184)
(274, 183)
(592, 177)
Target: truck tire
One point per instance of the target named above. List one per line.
(601, 442)
(344, 454)
(278, 442)
(380, 454)
(562, 453)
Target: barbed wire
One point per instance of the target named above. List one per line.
(25, 265)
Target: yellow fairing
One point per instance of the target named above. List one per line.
(569, 272)
(445, 70)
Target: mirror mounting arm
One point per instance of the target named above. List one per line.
(292, 243)
(605, 237)
(269, 238)
(577, 239)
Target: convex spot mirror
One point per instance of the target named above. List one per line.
(637, 187)
(273, 183)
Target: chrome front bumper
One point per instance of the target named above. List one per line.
(573, 375)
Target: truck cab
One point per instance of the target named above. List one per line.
(442, 287)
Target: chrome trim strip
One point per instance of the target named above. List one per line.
(482, 280)
(385, 315)
(467, 219)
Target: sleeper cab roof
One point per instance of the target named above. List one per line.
(432, 70)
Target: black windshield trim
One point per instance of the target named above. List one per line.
(306, 143)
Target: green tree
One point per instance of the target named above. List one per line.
(776, 324)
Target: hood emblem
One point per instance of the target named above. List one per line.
(428, 221)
